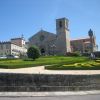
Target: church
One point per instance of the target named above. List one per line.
(60, 43)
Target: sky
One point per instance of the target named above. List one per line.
(27, 17)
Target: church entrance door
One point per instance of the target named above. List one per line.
(43, 51)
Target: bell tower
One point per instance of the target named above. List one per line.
(63, 39)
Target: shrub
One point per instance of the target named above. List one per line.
(33, 52)
(86, 54)
(76, 54)
(97, 54)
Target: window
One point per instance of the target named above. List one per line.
(60, 24)
(1, 47)
(7, 46)
(42, 37)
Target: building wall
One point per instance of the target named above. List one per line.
(18, 41)
(45, 41)
(60, 42)
(7, 48)
(17, 50)
(63, 39)
(53, 43)
(82, 45)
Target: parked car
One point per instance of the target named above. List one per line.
(16, 56)
(3, 57)
(12, 56)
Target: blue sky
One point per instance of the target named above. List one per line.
(28, 16)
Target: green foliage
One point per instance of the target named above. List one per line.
(83, 65)
(33, 52)
(73, 54)
(97, 54)
(54, 62)
(45, 60)
(86, 54)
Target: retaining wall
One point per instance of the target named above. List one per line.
(43, 82)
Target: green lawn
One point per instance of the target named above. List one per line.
(52, 63)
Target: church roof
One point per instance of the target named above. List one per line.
(87, 38)
(41, 32)
(46, 31)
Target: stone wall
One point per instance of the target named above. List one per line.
(41, 82)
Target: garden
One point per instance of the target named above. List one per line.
(72, 61)
(53, 63)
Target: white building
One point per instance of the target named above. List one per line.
(14, 47)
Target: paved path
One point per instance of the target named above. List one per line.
(78, 97)
(46, 94)
(41, 70)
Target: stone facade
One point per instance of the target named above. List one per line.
(43, 82)
(83, 45)
(50, 43)
(44, 40)
(63, 39)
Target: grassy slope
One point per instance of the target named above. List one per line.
(79, 64)
(19, 63)
(56, 62)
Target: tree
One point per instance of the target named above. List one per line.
(33, 52)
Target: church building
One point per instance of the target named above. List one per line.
(60, 43)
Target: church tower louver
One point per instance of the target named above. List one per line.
(63, 39)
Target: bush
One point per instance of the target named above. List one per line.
(33, 52)
(86, 54)
(76, 54)
(97, 54)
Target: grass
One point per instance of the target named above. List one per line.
(84, 65)
(52, 63)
